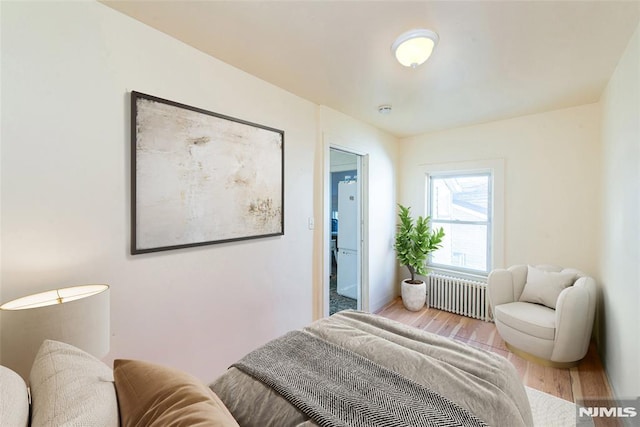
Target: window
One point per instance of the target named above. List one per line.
(461, 203)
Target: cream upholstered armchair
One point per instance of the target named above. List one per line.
(544, 313)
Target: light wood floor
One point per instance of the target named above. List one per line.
(586, 381)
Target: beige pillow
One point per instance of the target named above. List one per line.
(544, 287)
(70, 387)
(14, 399)
(152, 395)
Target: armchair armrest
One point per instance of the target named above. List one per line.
(500, 287)
(575, 312)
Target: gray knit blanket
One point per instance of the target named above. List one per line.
(337, 387)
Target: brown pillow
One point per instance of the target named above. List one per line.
(154, 395)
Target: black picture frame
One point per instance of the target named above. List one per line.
(201, 178)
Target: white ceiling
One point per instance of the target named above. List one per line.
(495, 59)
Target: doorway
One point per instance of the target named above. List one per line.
(345, 217)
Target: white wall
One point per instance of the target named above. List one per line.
(340, 130)
(551, 180)
(619, 251)
(67, 69)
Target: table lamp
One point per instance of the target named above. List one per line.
(77, 315)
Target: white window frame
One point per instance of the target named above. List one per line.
(495, 240)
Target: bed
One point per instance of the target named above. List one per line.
(484, 384)
(387, 371)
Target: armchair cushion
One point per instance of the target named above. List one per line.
(531, 319)
(544, 287)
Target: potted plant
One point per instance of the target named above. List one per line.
(414, 242)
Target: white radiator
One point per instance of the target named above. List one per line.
(461, 296)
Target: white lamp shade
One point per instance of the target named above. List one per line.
(414, 47)
(78, 315)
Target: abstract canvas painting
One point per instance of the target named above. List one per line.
(200, 177)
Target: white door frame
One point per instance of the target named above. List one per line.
(363, 187)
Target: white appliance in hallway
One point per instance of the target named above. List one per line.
(347, 280)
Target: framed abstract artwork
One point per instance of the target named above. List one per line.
(199, 178)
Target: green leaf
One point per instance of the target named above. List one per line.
(415, 241)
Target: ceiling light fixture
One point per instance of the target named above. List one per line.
(414, 47)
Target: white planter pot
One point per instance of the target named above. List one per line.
(413, 296)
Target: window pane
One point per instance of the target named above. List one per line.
(462, 198)
(464, 246)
